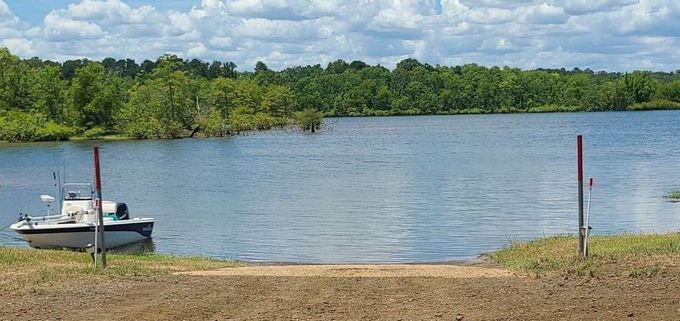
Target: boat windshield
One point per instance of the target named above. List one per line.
(77, 192)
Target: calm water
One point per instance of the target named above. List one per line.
(399, 189)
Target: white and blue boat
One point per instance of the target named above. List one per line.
(74, 226)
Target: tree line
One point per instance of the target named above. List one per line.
(173, 97)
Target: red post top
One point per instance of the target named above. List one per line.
(579, 153)
(590, 182)
(97, 175)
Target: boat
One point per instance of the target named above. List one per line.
(75, 225)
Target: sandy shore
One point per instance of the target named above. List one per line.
(348, 292)
(360, 270)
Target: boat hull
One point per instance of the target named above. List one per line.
(80, 235)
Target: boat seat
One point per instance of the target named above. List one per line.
(73, 209)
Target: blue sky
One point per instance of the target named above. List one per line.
(615, 35)
(34, 11)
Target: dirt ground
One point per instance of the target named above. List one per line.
(364, 292)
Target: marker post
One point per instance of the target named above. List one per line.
(100, 214)
(579, 158)
(587, 234)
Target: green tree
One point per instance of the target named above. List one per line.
(174, 94)
(141, 116)
(223, 95)
(48, 90)
(14, 82)
(671, 91)
(261, 67)
(171, 97)
(94, 96)
(278, 101)
(309, 119)
(337, 67)
(215, 70)
(638, 87)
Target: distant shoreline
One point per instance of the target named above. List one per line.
(120, 137)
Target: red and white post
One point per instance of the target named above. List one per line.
(587, 231)
(579, 157)
(100, 214)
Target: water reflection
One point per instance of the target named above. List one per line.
(141, 247)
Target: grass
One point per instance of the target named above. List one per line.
(673, 196)
(628, 255)
(619, 255)
(111, 137)
(28, 267)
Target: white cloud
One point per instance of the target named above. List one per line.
(596, 34)
(19, 46)
(282, 31)
(58, 26)
(4, 10)
(491, 15)
(179, 24)
(220, 42)
(198, 50)
(543, 14)
(281, 9)
(578, 7)
(112, 11)
(10, 25)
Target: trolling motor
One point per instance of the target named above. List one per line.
(48, 200)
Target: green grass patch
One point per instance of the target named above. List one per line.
(673, 196)
(25, 267)
(632, 255)
(657, 104)
(110, 137)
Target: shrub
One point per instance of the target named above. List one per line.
(309, 119)
(263, 121)
(54, 131)
(470, 111)
(20, 126)
(144, 128)
(214, 124)
(94, 133)
(242, 122)
(657, 104)
(552, 108)
(281, 122)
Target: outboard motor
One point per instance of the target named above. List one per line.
(122, 211)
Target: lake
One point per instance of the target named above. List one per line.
(393, 189)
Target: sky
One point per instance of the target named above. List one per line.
(612, 35)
